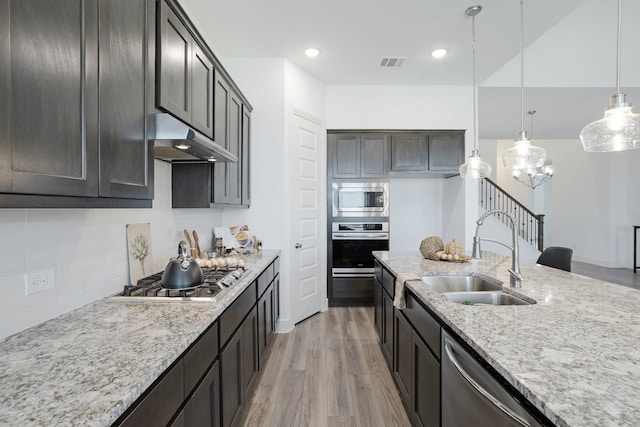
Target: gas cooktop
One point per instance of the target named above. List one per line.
(216, 283)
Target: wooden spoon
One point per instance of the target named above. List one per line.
(197, 244)
(188, 237)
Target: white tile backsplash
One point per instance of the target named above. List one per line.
(87, 249)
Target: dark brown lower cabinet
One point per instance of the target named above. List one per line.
(238, 364)
(425, 390)
(416, 373)
(410, 342)
(377, 306)
(231, 379)
(249, 349)
(383, 320)
(402, 355)
(161, 403)
(353, 291)
(203, 408)
(266, 322)
(387, 328)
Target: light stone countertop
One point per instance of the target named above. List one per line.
(575, 354)
(86, 367)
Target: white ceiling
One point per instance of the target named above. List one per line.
(569, 56)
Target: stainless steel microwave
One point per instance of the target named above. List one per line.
(354, 199)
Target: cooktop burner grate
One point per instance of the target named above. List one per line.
(215, 282)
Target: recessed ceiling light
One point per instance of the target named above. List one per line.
(312, 52)
(439, 53)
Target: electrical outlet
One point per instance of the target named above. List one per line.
(39, 281)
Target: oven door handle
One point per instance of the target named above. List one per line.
(360, 236)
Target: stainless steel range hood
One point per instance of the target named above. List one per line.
(176, 141)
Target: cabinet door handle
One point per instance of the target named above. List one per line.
(298, 245)
(501, 406)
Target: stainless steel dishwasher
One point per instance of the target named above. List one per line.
(472, 396)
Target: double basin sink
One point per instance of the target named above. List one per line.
(472, 290)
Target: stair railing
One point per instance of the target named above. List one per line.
(530, 225)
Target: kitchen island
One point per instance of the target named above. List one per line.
(575, 354)
(88, 366)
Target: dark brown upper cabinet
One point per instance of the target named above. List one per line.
(49, 92)
(409, 152)
(432, 153)
(126, 91)
(446, 151)
(186, 73)
(67, 138)
(245, 156)
(356, 155)
(232, 121)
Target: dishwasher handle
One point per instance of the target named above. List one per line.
(502, 407)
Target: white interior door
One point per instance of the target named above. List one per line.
(307, 217)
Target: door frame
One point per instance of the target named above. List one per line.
(288, 319)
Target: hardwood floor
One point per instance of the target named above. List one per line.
(621, 276)
(329, 371)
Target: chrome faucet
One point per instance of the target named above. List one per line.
(514, 272)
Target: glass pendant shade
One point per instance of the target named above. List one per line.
(475, 167)
(523, 157)
(618, 130)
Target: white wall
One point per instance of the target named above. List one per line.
(416, 212)
(87, 249)
(399, 107)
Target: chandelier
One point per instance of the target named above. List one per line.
(534, 177)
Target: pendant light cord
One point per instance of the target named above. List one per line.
(475, 109)
(522, 66)
(618, 48)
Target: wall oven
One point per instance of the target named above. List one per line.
(352, 272)
(352, 244)
(360, 199)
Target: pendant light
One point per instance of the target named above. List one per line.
(538, 176)
(523, 157)
(474, 168)
(620, 128)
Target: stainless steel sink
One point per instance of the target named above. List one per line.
(461, 283)
(485, 298)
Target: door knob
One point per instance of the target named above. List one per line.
(298, 245)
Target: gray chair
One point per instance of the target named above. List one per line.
(556, 257)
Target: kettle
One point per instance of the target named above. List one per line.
(183, 271)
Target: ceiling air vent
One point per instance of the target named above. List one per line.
(392, 62)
